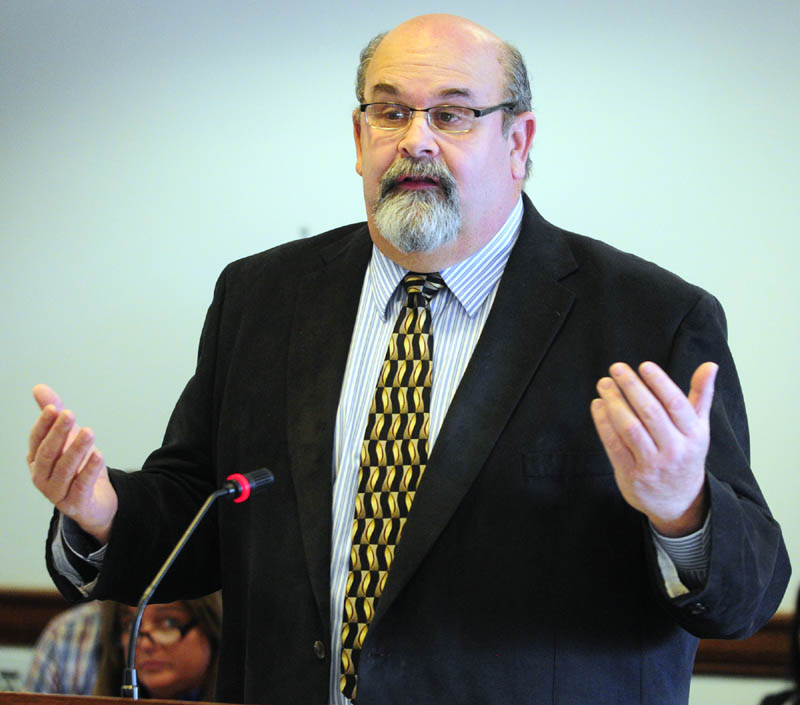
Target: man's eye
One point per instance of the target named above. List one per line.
(393, 115)
(451, 118)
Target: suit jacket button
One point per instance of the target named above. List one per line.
(697, 608)
(319, 650)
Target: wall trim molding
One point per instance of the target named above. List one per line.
(24, 613)
(763, 655)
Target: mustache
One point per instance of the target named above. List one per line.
(428, 169)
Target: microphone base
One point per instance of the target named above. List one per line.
(130, 685)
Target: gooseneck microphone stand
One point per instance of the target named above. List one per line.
(241, 486)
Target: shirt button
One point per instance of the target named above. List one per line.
(319, 650)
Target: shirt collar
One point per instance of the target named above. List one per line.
(470, 280)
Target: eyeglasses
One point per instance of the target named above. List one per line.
(444, 118)
(166, 632)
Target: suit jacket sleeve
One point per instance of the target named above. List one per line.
(749, 564)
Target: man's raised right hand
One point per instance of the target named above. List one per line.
(68, 469)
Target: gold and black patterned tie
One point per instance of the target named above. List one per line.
(393, 458)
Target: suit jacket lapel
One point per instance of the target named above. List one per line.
(327, 303)
(529, 309)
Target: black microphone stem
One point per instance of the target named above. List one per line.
(130, 686)
(240, 485)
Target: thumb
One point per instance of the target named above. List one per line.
(701, 392)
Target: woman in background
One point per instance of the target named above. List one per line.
(83, 650)
(177, 652)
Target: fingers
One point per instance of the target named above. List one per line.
(44, 395)
(657, 439)
(48, 438)
(633, 412)
(69, 466)
(618, 452)
(82, 487)
(57, 452)
(40, 430)
(52, 406)
(651, 404)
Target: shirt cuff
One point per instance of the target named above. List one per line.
(77, 555)
(684, 561)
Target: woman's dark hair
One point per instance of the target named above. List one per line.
(206, 611)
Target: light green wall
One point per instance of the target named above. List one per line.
(144, 144)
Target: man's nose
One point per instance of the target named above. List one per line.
(419, 138)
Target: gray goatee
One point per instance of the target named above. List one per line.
(418, 221)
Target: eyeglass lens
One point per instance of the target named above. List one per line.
(447, 118)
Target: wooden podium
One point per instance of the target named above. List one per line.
(7, 698)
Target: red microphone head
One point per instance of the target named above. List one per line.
(244, 485)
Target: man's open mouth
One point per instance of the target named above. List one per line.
(409, 180)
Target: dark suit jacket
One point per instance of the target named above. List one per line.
(522, 576)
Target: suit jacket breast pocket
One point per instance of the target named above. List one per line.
(596, 536)
(589, 516)
(566, 464)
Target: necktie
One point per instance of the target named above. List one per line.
(393, 458)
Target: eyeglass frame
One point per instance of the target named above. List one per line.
(477, 112)
(183, 631)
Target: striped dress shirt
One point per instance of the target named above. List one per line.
(458, 314)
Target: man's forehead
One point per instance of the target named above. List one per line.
(438, 71)
(389, 89)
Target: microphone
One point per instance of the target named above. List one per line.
(241, 487)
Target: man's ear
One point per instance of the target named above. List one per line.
(357, 138)
(521, 138)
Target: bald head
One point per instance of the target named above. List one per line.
(435, 61)
(435, 30)
(442, 30)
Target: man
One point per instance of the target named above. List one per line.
(558, 549)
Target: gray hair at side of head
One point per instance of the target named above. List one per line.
(363, 63)
(518, 87)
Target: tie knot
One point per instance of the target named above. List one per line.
(421, 288)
